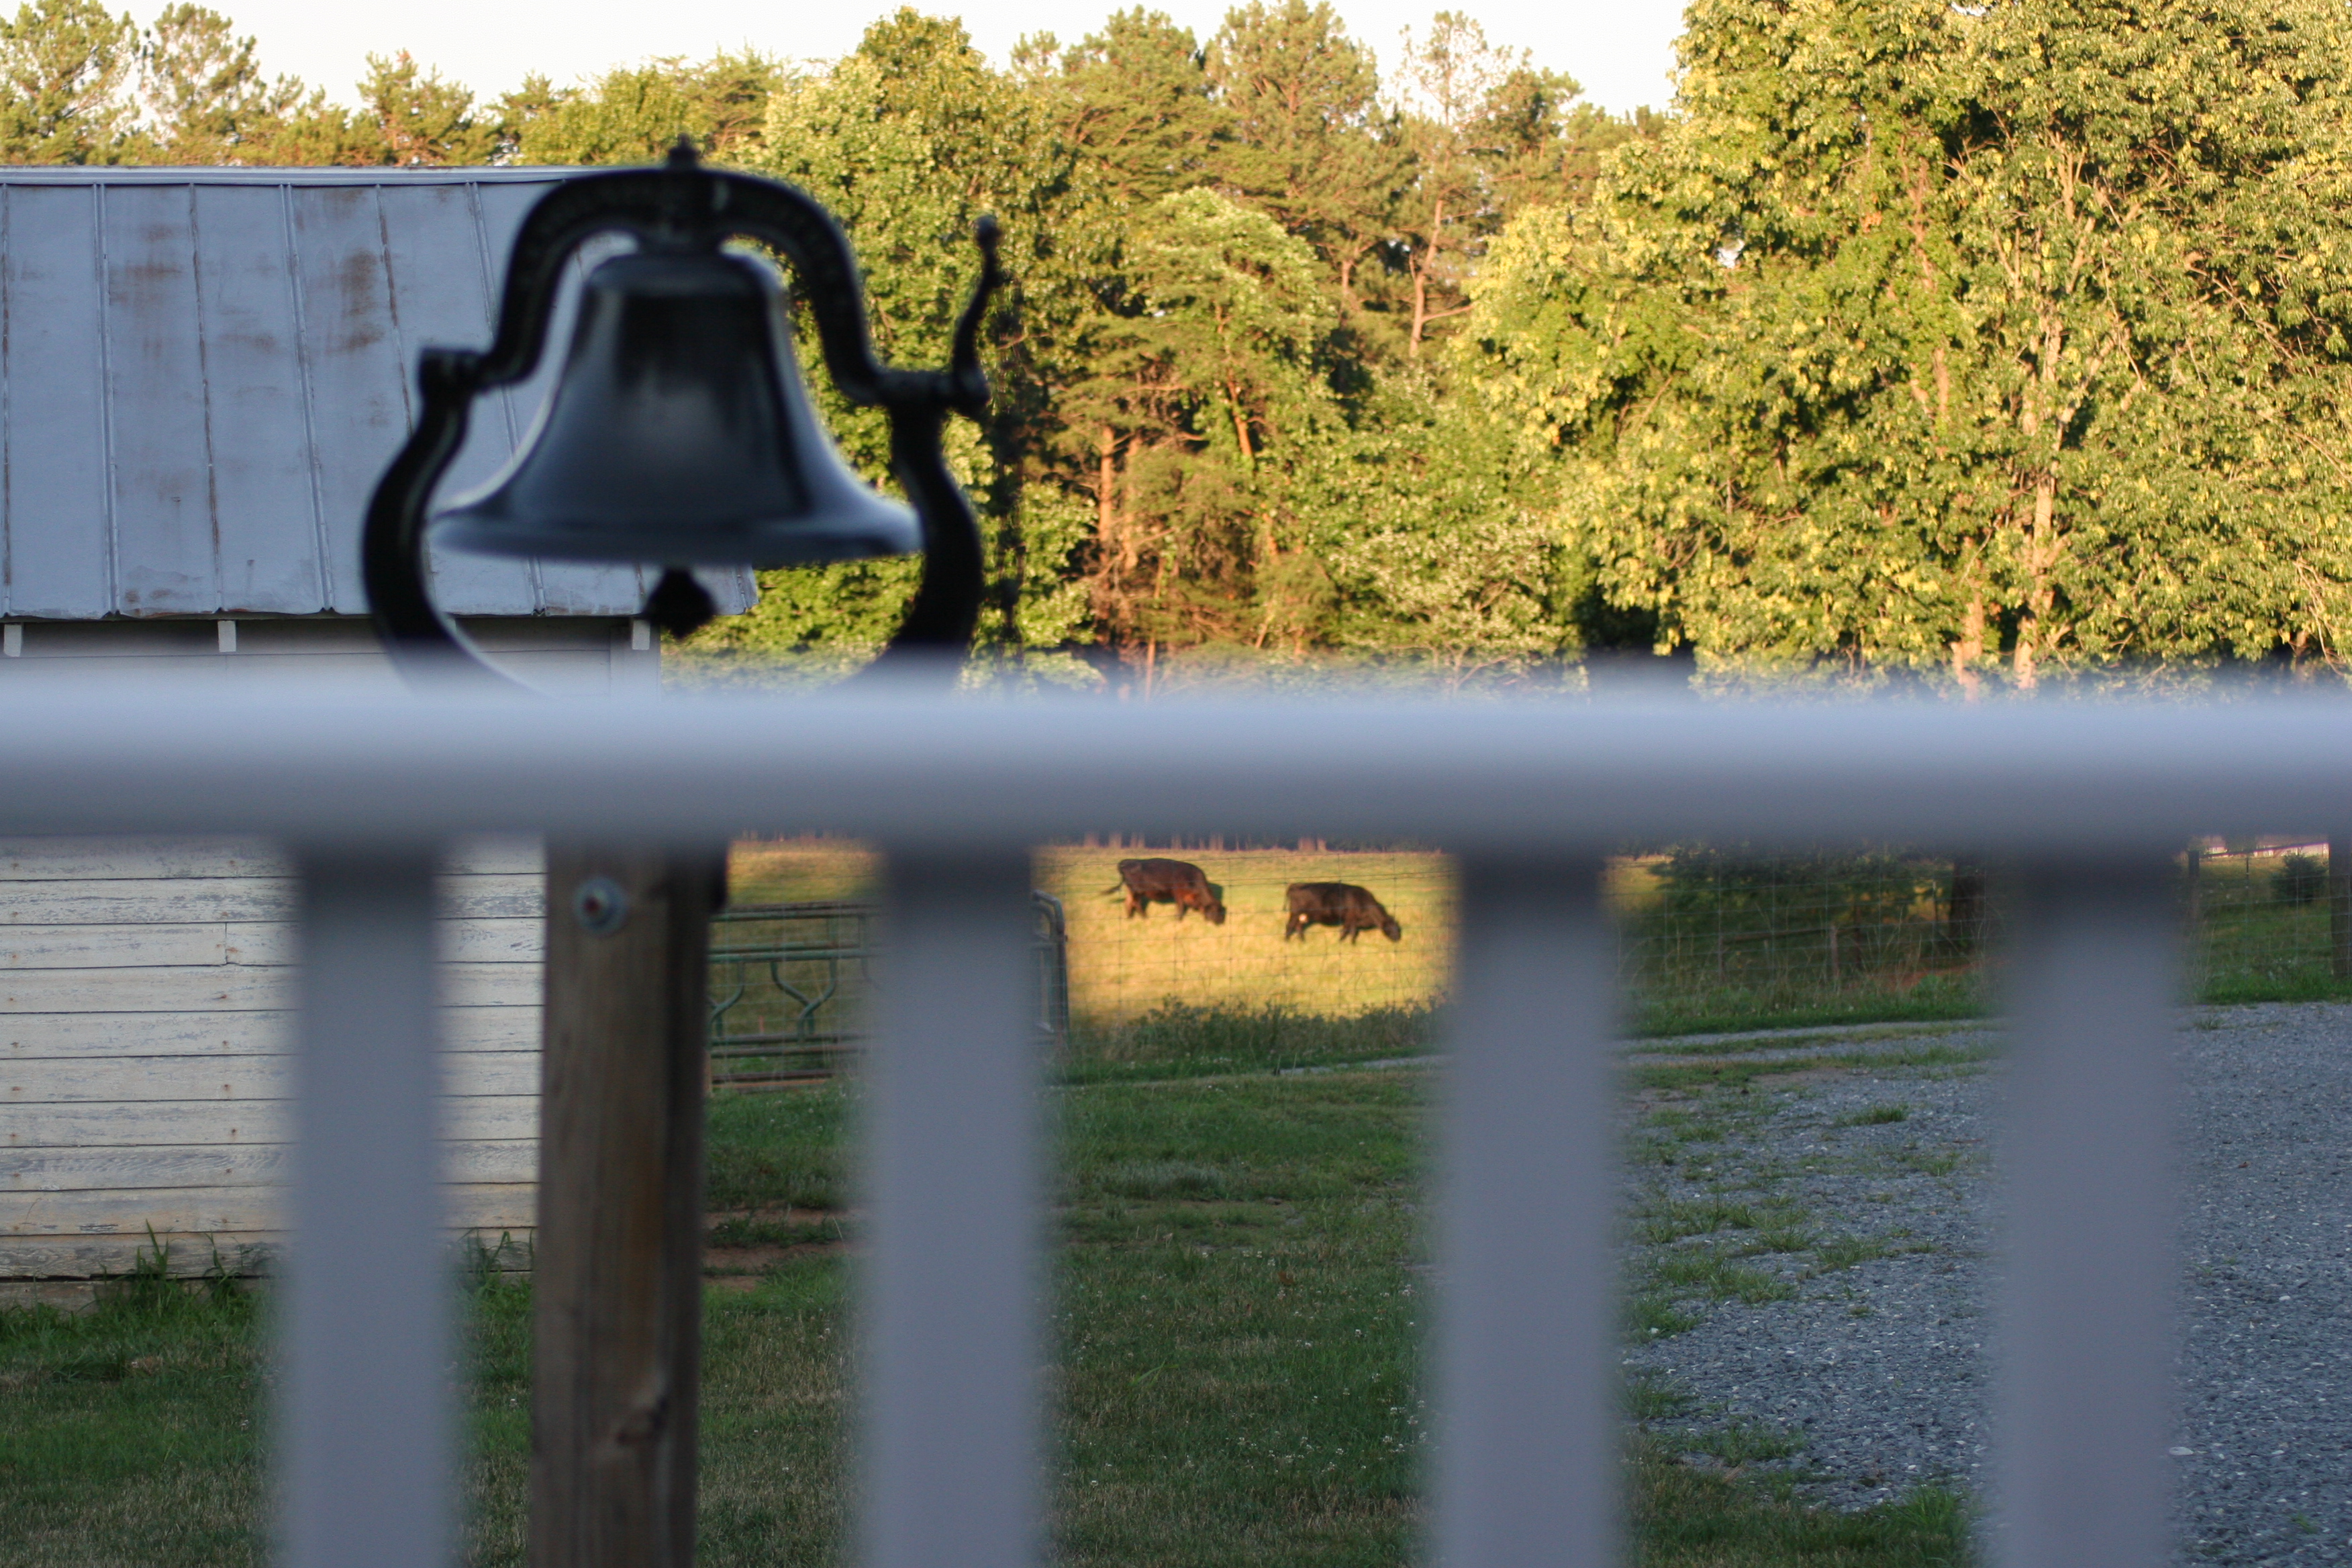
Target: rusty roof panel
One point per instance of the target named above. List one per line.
(157, 398)
(268, 555)
(204, 372)
(53, 368)
(439, 275)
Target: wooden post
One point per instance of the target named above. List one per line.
(2193, 863)
(1964, 917)
(2339, 908)
(617, 1266)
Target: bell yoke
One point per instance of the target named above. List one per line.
(680, 433)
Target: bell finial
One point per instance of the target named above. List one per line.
(683, 153)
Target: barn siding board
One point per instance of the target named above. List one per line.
(118, 901)
(138, 860)
(85, 947)
(229, 988)
(358, 378)
(264, 516)
(83, 1257)
(510, 1160)
(154, 900)
(154, 1123)
(245, 1078)
(161, 857)
(68, 1036)
(194, 1211)
(254, 943)
(59, 541)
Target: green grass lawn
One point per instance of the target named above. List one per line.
(130, 1436)
(1240, 1308)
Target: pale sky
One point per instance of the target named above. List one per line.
(1622, 50)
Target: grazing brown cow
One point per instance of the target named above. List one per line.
(1343, 904)
(1177, 882)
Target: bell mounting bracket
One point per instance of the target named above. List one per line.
(683, 203)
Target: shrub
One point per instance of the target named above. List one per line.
(2300, 879)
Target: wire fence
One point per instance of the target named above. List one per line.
(1712, 935)
(1709, 936)
(2272, 918)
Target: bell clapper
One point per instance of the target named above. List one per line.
(679, 604)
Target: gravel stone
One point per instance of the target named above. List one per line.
(1876, 1373)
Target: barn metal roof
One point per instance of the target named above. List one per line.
(204, 370)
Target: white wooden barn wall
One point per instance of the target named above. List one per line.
(146, 996)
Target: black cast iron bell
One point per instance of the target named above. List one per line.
(679, 433)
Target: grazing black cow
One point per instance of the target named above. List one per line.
(1177, 882)
(1343, 904)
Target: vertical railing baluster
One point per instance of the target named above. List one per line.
(2084, 1402)
(950, 1445)
(363, 1436)
(1526, 1458)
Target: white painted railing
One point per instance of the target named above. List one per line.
(2091, 801)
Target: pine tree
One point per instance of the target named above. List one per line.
(65, 67)
(413, 117)
(205, 96)
(1134, 102)
(1310, 142)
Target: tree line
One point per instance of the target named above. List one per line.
(1975, 347)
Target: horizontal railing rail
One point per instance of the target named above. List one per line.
(2088, 802)
(2030, 777)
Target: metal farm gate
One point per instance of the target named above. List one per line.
(789, 984)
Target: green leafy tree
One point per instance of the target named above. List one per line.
(1207, 394)
(1440, 554)
(1450, 73)
(908, 140)
(1945, 339)
(1541, 146)
(1490, 135)
(635, 113)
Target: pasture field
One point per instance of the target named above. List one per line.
(1124, 972)
(1236, 1373)
(1752, 953)
(801, 870)
(1121, 969)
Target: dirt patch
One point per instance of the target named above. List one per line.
(717, 1217)
(741, 1267)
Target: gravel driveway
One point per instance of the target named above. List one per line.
(1808, 1257)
